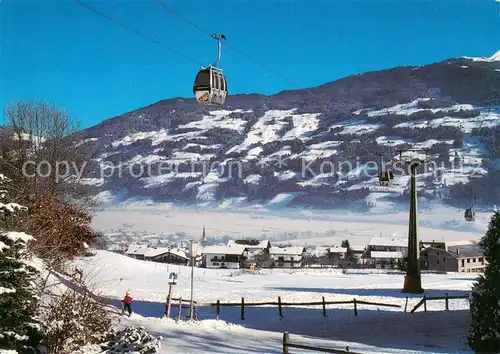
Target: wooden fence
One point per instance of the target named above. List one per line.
(446, 299)
(279, 304)
(287, 344)
(181, 304)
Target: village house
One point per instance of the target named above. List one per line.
(167, 255)
(336, 253)
(254, 247)
(385, 252)
(287, 257)
(172, 255)
(229, 256)
(315, 256)
(461, 258)
(136, 251)
(360, 253)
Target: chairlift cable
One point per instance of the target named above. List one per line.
(139, 33)
(162, 4)
(143, 35)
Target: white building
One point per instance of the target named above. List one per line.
(386, 260)
(167, 255)
(136, 251)
(229, 256)
(386, 251)
(287, 257)
(337, 252)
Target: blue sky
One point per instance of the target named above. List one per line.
(63, 53)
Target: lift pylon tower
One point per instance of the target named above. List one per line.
(413, 281)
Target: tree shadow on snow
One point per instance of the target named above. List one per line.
(373, 292)
(199, 341)
(437, 331)
(433, 331)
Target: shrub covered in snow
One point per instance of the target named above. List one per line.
(131, 340)
(19, 324)
(484, 333)
(74, 320)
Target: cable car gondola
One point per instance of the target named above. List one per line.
(469, 214)
(210, 85)
(385, 177)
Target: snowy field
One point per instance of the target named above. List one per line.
(161, 222)
(376, 329)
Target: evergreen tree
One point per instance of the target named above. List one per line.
(350, 258)
(484, 333)
(19, 325)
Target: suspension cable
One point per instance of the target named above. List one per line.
(146, 36)
(168, 8)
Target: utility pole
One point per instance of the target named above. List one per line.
(191, 312)
(413, 281)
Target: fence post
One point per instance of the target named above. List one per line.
(242, 308)
(218, 310)
(169, 304)
(406, 304)
(180, 309)
(446, 301)
(324, 307)
(425, 303)
(279, 307)
(355, 307)
(285, 343)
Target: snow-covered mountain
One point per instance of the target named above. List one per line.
(318, 147)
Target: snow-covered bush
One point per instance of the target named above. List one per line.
(19, 323)
(131, 340)
(484, 333)
(74, 320)
(134, 340)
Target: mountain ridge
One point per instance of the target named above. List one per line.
(449, 106)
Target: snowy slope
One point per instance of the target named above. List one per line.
(375, 329)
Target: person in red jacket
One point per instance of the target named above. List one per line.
(127, 303)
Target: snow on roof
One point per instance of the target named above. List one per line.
(137, 249)
(394, 255)
(317, 251)
(337, 249)
(358, 248)
(466, 251)
(250, 244)
(387, 241)
(229, 249)
(287, 250)
(155, 252)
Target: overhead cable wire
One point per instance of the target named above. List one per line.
(187, 20)
(142, 34)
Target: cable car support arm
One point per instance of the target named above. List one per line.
(218, 38)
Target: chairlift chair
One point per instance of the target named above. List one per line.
(210, 84)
